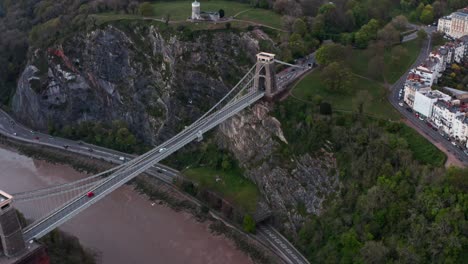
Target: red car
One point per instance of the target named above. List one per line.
(90, 194)
(36, 138)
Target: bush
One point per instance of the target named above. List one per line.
(146, 9)
(325, 108)
(249, 224)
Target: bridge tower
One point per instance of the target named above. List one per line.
(265, 79)
(11, 235)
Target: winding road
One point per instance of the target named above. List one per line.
(421, 126)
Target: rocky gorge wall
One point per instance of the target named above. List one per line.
(293, 186)
(156, 81)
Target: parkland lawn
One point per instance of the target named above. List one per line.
(230, 184)
(378, 105)
(359, 59)
(180, 11)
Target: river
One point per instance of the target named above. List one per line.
(124, 227)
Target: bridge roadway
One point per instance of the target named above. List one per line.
(137, 166)
(265, 233)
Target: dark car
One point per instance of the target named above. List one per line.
(36, 138)
(65, 146)
(90, 150)
(409, 109)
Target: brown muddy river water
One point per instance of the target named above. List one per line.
(124, 227)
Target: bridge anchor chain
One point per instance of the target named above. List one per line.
(199, 136)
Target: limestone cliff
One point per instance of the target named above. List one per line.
(292, 186)
(155, 80)
(158, 81)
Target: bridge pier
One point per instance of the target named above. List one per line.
(265, 79)
(11, 235)
(13, 248)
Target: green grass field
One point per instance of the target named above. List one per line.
(179, 11)
(423, 150)
(378, 106)
(232, 186)
(262, 16)
(359, 59)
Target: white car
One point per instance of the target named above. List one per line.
(400, 104)
(122, 158)
(162, 149)
(14, 134)
(454, 143)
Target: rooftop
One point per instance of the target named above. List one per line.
(462, 118)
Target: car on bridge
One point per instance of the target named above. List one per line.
(162, 150)
(90, 194)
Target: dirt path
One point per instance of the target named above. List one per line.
(243, 11)
(451, 159)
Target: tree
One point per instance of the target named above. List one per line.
(325, 108)
(374, 252)
(299, 27)
(167, 17)
(427, 15)
(146, 9)
(400, 22)
(398, 53)
(367, 33)
(422, 35)
(361, 101)
(336, 76)
(296, 45)
(389, 35)
(329, 53)
(249, 224)
(221, 13)
(437, 38)
(376, 66)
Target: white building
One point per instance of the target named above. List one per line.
(415, 82)
(195, 10)
(443, 114)
(445, 24)
(455, 25)
(460, 128)
(424, 101)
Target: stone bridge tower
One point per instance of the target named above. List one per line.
(265, 79)
(11, 235)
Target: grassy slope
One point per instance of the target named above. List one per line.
(422, 149)
(232, 186)
(262, 16)
(359, 59)
(311, 85)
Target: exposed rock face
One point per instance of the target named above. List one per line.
(156, 83)
(159, 82)
(292, 186)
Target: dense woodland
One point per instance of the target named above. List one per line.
(391, 207)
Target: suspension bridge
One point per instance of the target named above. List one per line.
(50, 207)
